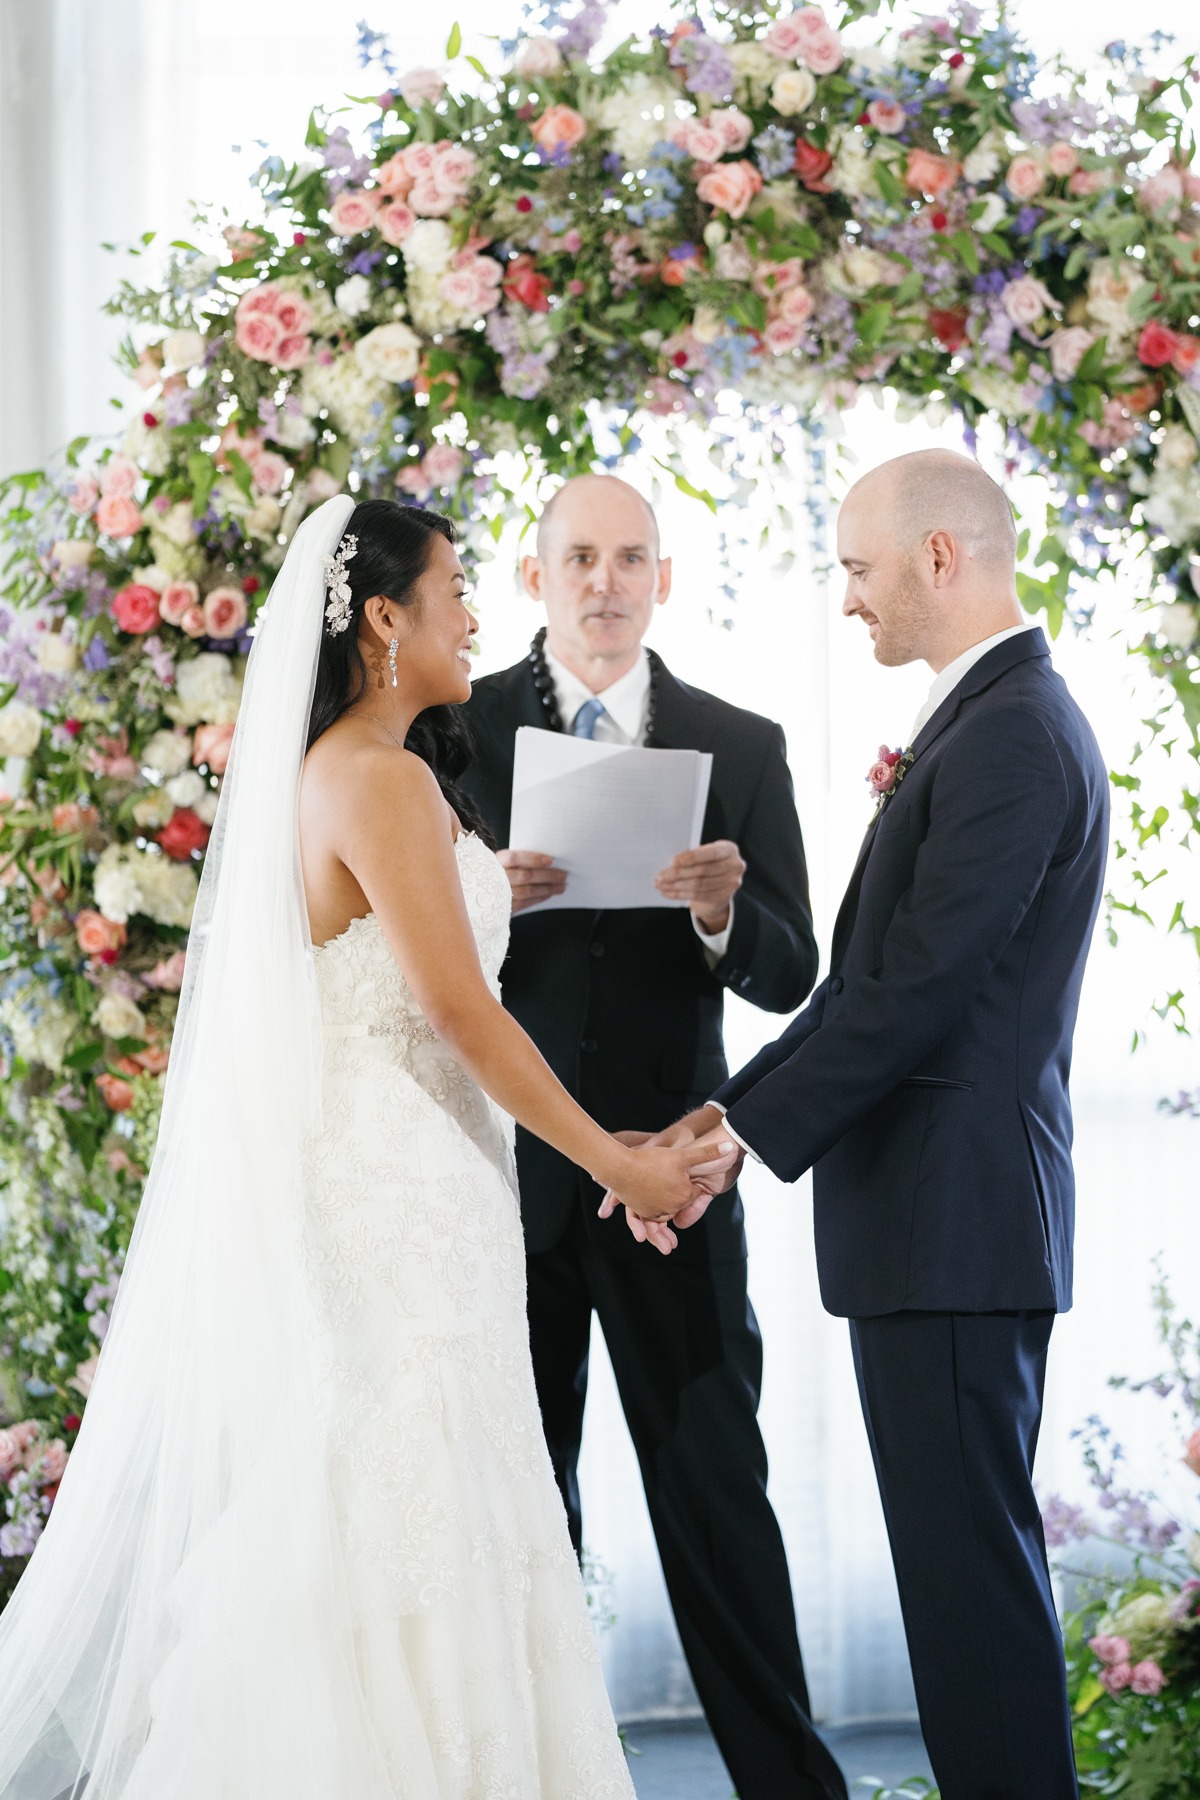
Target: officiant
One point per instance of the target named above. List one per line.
(627, 1007)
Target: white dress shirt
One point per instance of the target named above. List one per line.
(624, 720)
(943, 686)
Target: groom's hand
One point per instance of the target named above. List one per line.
(531, 876)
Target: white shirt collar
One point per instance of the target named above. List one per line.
(945, 683)
(626, 700)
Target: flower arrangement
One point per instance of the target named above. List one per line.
(1133, 1636)
(777, 215)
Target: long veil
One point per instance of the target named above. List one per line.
(180, 1632)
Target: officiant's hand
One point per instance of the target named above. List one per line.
(531, 876)
(707, 878)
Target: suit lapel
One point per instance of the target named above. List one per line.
(683, 720)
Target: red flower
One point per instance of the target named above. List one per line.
(949, 327)
(250, 584)
(524, 204)
(72, 727)
(939, 220)
(1156, 345)
(135, 608)
(149, 420)
(811, 165)
(299, 238)
(183, 833)
(957, 60)
(72, 1422)
(523, 283)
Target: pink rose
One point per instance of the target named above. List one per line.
(1062, 159)
(117, 517)
(1116, 1676)
(795, 305)
(1109, 1649)
(211, 745)
(730, 187)
(1191, 1455)
(241, 242)
(1147, 1678)
(442, 465)
(537, 58)
(1026, 299)
(411, 479)
(111, 757)
(419, 158)
(702, 141)
(321, 485)
(262, 299)
(270, 471)
(135, 608)
(788, 36)
(887, 115)
(118, 478)
(1156, 344)
(394, 176)
(734, 128)
(822, 51)
(1068, 347)
(421, 87)
(560, 127)
(258, 335)
(461, 289)
(394, 221)
(773, 277)
(83, 495)
(1085, 182)
(431, 198)
(52, 1462)
(1162, 193)
(781, 335)
(175, 599)
(1026, 177)
(353, 211)
(292, 352)
(927, 173)
(455, 165)
(193, 622)
(168, 975)
(294, 313)
(9, 1454)
(224, 612)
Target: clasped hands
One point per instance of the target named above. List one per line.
(664, 1192)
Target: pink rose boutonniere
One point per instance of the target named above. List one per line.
(885, 775)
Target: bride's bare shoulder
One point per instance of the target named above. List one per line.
(351, 774)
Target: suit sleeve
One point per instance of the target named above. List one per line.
(771, 958)
(998, 809)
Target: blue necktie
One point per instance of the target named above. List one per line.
(585, 719)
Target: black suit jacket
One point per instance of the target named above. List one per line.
(623, 1005)
(926, 1081)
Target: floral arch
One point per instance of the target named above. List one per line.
(766, 208)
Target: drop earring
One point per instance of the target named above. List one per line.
(392, 649)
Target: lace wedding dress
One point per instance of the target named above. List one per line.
(474, 1649)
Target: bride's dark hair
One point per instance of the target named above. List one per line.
(394, 545)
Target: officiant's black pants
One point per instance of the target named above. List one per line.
(687, 1356)
(953, 1403)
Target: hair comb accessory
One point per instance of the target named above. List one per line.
(337, 586)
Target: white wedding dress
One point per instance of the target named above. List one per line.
(474, 1648)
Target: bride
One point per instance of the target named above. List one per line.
(309, 1545)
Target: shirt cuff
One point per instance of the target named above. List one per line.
(733, 1134)
(716, 943)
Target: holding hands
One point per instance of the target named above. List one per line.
(654, 1196)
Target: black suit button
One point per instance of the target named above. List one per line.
(836, 984)
(589, 1046)
(596, 949)
(744, 982)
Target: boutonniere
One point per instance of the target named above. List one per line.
(885, 775)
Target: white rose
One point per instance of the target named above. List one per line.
(153, 809)
(390, 352)
(793, 91)
(537, 57)
(57, 654)
(639, 116)
(1177, 624)
(184, 349)
(168, 891)
(146, 445)
(187, 788)
(40, 1026)
(1178, 449)
(72, 553)
(983, 162)
(20, 729)
(998, 392)
(177, 525)
(205, 807)
(118, 1017)
(294, 430)
(167, 752)
(262, 519)
(993, 211)
(754, 69)
(1110, 288)
(353, 296)
(115, 884)
(207, 691)
(865, 268)
(853, 171)
(429, 245)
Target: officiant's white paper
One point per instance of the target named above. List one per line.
(610, 815)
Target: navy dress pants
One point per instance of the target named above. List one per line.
(953, 1403)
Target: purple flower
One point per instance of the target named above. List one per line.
(708, 65)
(364, 262)
(583, 32)
(96, 656)
(338, 155)
(177, 406)
(1063, 1523)
(1027, 218)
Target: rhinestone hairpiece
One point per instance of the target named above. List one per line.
(337, 586)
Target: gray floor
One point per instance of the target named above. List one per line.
(677, 1759)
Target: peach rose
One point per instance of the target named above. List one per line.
(193, 622)
(1062, 159)
(730, 187)
(69, 816)
(118, 478)
(394, 176)
(1026, 177)
(560, 127)
(117, 517)
(175, 600)
(419, 158)
(211, 745)
(168, 975)
(537, 58)
(224, 612)
(353, 211)
(241, 242)
(927, 173)
(887, 115)
(98, 936)
(52, 1462)
(1191, 1455)
(115, 1092)
(395, 220)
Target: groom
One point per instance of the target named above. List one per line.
(926, 1086)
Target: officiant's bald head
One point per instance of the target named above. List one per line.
(929, 546)
(599, 573)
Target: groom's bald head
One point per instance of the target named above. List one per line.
(929, 546)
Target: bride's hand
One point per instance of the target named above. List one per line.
(657, 1181)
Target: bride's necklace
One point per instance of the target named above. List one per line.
(377, 721)
(543, 681)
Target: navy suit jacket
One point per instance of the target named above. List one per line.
(925, 1083)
